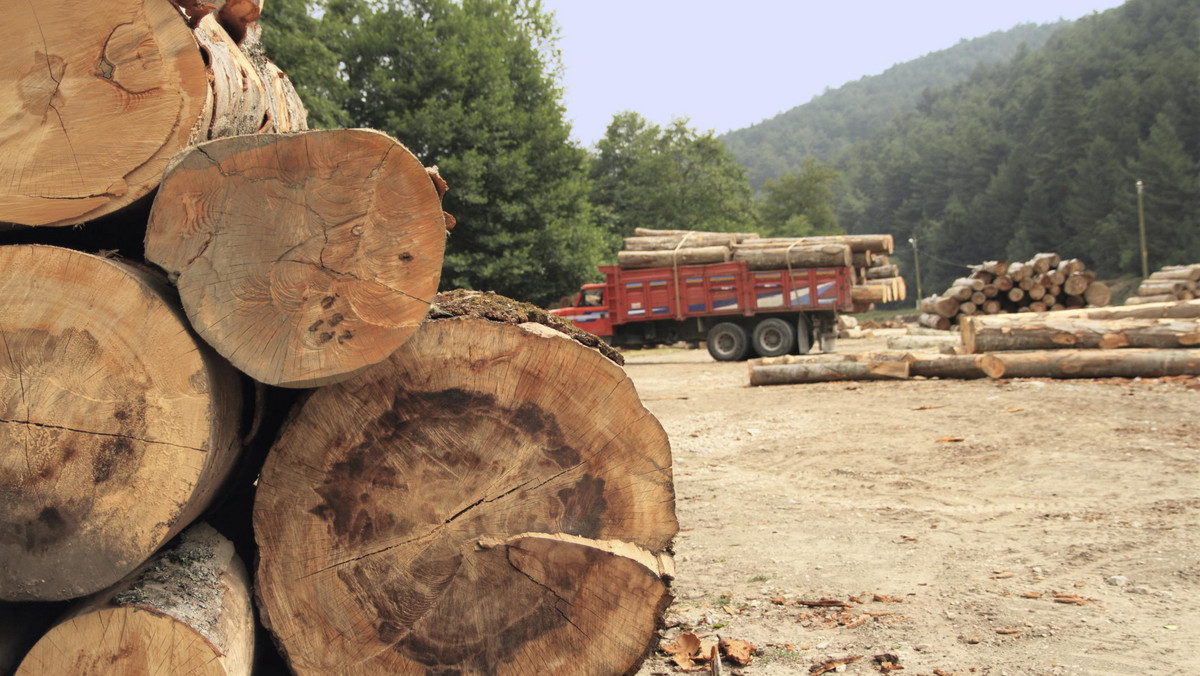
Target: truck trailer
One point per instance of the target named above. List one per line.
(734, 310)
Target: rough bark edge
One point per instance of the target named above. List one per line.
(494, 307)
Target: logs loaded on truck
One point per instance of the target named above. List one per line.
(737, 293)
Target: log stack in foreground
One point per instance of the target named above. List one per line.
(463, 495)
(1171, 283)
(1044, 283)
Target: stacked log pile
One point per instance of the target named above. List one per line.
(876, 279)
(264, 373)
(1171, 283)
(1045, 283)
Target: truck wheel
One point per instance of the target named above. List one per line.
(803, 335)
(773, 337)
(727, 342)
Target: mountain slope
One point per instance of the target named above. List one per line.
(833, 120)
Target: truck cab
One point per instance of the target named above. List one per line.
(590, 312)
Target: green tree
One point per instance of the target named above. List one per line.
(672, 178)
(310, 51)
(799, 204)
(471, 86)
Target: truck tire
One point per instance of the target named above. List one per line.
(773, 337)
(727, 342)
(803, 335)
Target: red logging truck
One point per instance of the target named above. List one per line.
(733, 309)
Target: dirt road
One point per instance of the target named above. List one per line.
(984, 527)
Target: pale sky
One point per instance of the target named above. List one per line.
(727, 65)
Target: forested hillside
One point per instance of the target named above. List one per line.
(832, 121)
(1042, 153)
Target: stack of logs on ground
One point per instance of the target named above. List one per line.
(1044, 283)
(876, 279)
(1139, 341)
(1172, 282)
(263, 373)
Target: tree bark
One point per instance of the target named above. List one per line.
(800, 256)
(794, 374)
(186, 612)
(98, 102)
(962, 367)
(340, 279)
(1133, 363)
(996, 333)
(490, 499)
(117, 425)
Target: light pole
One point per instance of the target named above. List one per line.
(1142, 233)
(917, 266)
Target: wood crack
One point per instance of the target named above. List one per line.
(99, 434)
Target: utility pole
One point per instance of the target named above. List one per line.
(917, 266)
(1142, 233)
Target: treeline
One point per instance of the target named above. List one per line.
(1043, 153)
(831, 122)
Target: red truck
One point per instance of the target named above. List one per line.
(730, 307)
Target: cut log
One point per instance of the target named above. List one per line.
(1151, 300)
(995, 268)
(910, 343)
(871, 294)
(1016, 294)
(687, 240)
(1134, 363)
(1003, 282)
(862, 259)
(877, 244)
(967, 308)
(1019, 272)
(1036, 292)
(995, 333)
(652, 232)
(795, 374)
(1044, 262)
(1164, 310)
(963, 367)
(1190, 273)
(1076, 284)
(1097, 294)
(946, 307)
(466, 507)
(959, 292)
(301, 258)
(117, 425)
(800, 256)
(186, 612)
(991, 307)
(1158, 287)
(95, 103)
(883, 272)
(700, 255)
(934, 321)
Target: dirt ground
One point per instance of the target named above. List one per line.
(1004, 527)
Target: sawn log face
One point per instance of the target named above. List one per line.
(487, 500)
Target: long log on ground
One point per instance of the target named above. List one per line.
(930, 331)
(794, 374)
(670, 242)
(1158, 287)
(1133, 363)
(466, 507)
(117, 425)
(1189, 309)
(1189, 273)
(998, 333)
(800, 256)
(1151, 300)
(700, 255)
(922, 342)
(186, 612)
(301, 258)
(963, 367)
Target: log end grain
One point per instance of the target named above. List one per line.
(302, 258)
(98, 102)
